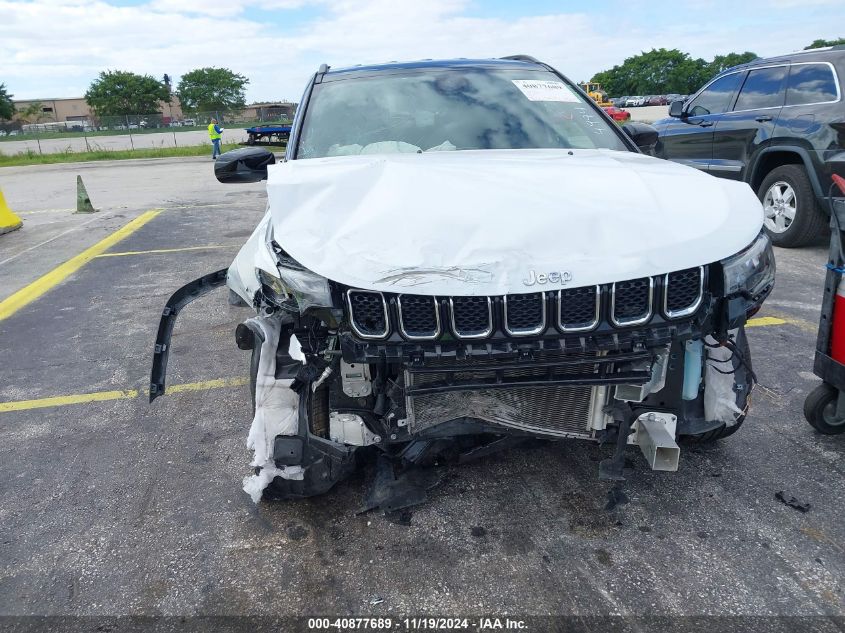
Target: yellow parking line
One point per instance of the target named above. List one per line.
(60, 401)
(207, 384)
(126, 394)
(801, 324)
(37, 288)
(763, 321)
(166, 250)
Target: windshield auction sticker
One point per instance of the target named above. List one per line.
(545, 90)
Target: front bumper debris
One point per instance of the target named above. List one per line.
(178, 300)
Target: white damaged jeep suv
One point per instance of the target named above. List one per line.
(458, 255)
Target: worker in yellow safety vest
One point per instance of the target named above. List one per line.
(214, 133)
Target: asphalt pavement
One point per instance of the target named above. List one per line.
(648, 114)
(114, 506)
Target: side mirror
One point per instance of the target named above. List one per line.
(642, 134)
(243, 165)
(676, 109)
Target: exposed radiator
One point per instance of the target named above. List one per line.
(555, 410)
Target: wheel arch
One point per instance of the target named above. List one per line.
(773, 157)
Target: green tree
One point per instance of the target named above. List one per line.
(723, 62)
(7, 106)
(824, 43)
(212, 90)
(656, 71)
(118, 93)
(663, 71)
(32, 113)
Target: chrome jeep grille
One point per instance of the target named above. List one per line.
(419, 316)
(683, 292)
(525, 314)
(369, 313)
(631, 301)
(579, 309)
(472, 317)
(375, 315)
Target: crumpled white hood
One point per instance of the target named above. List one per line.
(478, 222)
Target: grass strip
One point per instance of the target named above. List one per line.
(34, 158)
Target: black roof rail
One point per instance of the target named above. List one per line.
(820, 49)
(743, 64)
(523, 58)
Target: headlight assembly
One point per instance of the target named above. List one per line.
(751, 272)
(308, 289)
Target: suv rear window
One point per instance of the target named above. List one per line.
(810, 83)
(763, 88)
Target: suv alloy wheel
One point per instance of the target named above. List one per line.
(792, 216)
(779, 206)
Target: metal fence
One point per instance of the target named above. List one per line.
(127, 132)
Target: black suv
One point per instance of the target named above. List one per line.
(777, 124)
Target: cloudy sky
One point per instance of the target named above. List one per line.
(54, 48)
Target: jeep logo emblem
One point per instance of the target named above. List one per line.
(562, 278)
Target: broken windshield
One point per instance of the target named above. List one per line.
(450, 109)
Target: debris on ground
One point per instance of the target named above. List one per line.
(615, 497)
(399, 517)
(391, 492)
(792, 502)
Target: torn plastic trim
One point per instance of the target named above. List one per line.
(324, 463)
(178, 300)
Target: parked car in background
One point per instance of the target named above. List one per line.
(672, 97)
(777, 124)
(619, 102)
(634, 102)
(657, 100)
(617, 114)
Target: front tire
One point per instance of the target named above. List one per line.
(792, 216)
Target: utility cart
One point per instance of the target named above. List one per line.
(824, 408)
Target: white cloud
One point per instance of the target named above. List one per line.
(224, 8)
(53, 48)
